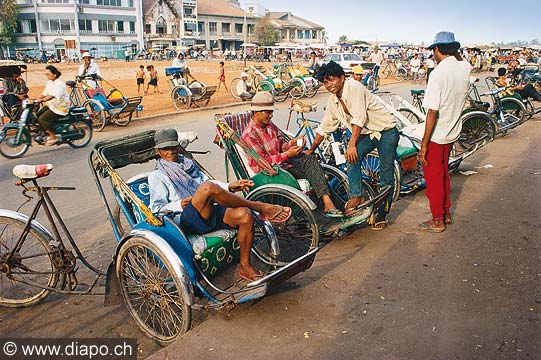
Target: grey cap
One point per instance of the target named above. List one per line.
(165, 138)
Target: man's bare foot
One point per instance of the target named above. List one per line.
(433, 226)
(275, 213)
(352, 206)
(448, 219)
(250, 273)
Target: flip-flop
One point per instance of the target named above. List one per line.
(254, 277)
(273, 219)
(380, 225)
(334, 213)
(425, 226)
(449, 221)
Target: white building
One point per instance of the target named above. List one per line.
(255, 9)
(67, 27)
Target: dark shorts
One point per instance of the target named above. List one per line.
(192, 223)
(153, 81)
(140, 81)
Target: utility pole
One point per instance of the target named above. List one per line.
(244, 28)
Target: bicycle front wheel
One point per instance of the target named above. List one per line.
(400, 74)
(30, 270)
(233, 88)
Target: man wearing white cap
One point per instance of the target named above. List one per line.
(89, 67)
(243, 90)
(444, 98)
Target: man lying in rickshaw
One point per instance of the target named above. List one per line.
(511, 77)
(178, 185)
(15, 90)
(263, 136)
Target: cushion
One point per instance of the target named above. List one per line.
(417, 92)
(402, 151)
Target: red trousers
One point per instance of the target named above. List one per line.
(438, 186)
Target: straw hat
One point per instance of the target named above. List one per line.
(262, 101)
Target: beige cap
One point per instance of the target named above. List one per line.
(262, 101)
(243, 74)
(87, 54)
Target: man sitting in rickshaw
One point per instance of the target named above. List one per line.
(205, 205)
(263, 136)
(15, 90)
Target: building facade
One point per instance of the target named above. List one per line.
(296, 30)
(70, 27)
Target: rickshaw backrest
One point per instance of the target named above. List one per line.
(238, 122)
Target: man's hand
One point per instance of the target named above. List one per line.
(351, 153)
(422, 155)
(294, 151)
(240, 185)
(185, 201)
(20, 97)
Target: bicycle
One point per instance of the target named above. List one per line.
(387, 69)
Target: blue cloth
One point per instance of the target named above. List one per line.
(181, 174)
(387, 152)
(193, 223)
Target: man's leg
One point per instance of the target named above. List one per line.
(387, 154)
(434, 176)
(364, 146)
(243, 219)
(447, 182)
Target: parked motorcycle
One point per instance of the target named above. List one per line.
(74, 129)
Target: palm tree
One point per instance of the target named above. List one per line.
(324, 36)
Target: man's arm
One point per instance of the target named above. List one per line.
(160, 195)
(430, 123)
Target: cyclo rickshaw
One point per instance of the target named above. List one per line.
(184, 94)
(162, 273)
(277, 186)
(7, 69)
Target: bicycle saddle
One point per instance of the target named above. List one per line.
(29, 172)
(417, 92)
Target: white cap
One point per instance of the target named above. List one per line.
(243, 74)
(87, 54)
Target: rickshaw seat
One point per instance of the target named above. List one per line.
(417, 92)
(212, 242)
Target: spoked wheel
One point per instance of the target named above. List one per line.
(311, 91)
(85, 132)
(385, 72)
(97, 114)
(338, 186)
(410, 115)
(152, 290)
(476, 129)
(400, 74)
(181, 97)
(530, 109)
(370, 168)
(514, 107)
(31, 263)
(233, 87)
(124, 119)
(371, 83)
(10, 147)
(298, 88)
(300, 233)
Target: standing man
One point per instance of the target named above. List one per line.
(89, 67)
(415, 65)
(444, 98)
(371, 125)
(377, 58)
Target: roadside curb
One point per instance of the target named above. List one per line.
(223, 106)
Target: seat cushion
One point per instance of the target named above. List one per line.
(402, 151)
(201, 243)
(215, 250)
(78, 110)
(417, 92)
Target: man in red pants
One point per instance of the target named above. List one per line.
(444, 98)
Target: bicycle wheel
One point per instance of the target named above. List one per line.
(370, 168)
(385, 72)
(477, 128)
(514, 107)
(300, 233)
(97, 114)
(84, 130)
(530, 109)
(32, 263)
(410, 115)
(152, 291)
(280, 96)
(400, 74)
(297, 91)
(123, 120)
(233, 87)
(371, 83)
(311, 91)
(9, 147)
(181, 97)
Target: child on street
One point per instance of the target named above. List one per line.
(140, 76)
(221, 78)
(153, 75)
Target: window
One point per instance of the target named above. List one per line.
(85, 26)
(307, 34)
(188, 12)
(314, 34)
(300, 34)
(120, 26)
(201, 27)
(161, 26)
(174, 29)
(57, 1)
(251, 28)
(213, 28)
(284, 33)
(25, 26)
(189, 29)
(85, 2)
(109, 2)
(132, 27)
(147, 29)
(226, 28)
(18, 27)
(238, 28)
(106, 26)
(130, 3)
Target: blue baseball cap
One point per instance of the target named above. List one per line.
(444, 37)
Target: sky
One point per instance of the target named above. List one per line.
(414, 21)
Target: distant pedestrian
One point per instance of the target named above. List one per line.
(221, 78)
(127, 55)
(153, 75)
(429, 66)
(140, 76)
(444, 98)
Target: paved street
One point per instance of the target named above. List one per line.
(472, 292)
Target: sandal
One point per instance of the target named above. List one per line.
(334, 213)
(353, 211)
(449, 219)
(380, 225)
(254, 277)
(429, 226)
(278, 217)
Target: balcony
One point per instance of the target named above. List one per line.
(189, 3)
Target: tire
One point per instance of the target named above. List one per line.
(371, 84)
(400, 74)
(311, 92)
(181, 97)
(81, 126)
(298, 88)
(300, 233)
(385, 72)
(123, 121)
(410, 115)
(265, 86)
(8, 148)
(530, 109)
(515, 107)
(152, 290)
(370, 168)
(35, 254)
(97, 114)
(233, 88)
(280, 96)
(477, 128)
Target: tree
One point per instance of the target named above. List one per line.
(324, 36)
(8, 21)
(266, 33)
(343, 38)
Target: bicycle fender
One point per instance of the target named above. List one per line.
(42, 230)
(299, 193)
(169, 253)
